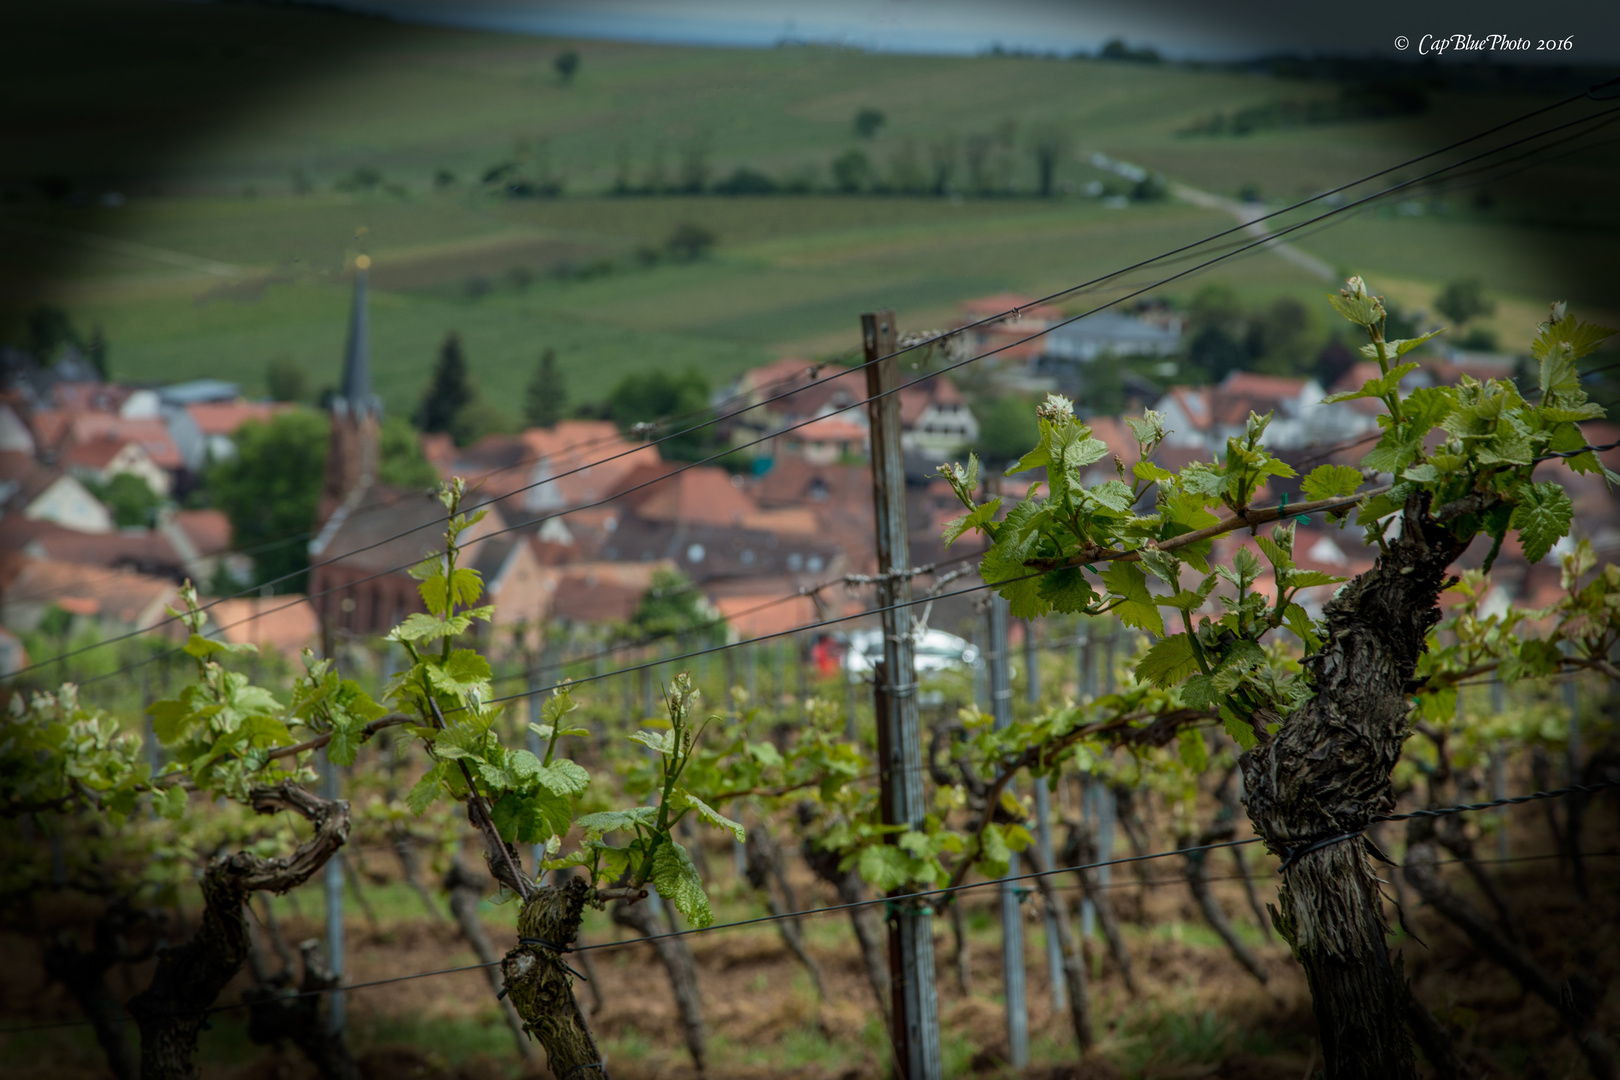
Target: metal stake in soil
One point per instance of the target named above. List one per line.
(1012, 921)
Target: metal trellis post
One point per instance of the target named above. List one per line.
(1043, 823)
(911, 937)
(334, 905)
(1012, 920)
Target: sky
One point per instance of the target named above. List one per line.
(1179, 29)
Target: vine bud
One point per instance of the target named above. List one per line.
(1056, 409)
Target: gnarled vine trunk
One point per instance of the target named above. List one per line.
(189, 977)
(540, 985)
(1325, 775)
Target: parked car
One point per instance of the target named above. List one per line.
(936, 651)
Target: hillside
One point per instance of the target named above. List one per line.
(254, 150)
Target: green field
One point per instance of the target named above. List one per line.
(228, 129)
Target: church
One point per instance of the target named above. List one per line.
(367, 535)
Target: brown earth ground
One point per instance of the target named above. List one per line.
(1198, 1014)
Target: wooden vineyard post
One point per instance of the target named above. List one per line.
(1043, 823)
(911, 950)
(1012, 915)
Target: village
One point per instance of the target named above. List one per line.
(583, 516)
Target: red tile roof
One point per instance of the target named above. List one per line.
(208, 530)
(94, 453)
(986, 306)
(152, 435)
(754, 615)
(283, 624)
(224, 417)
(703, 495)
(134, 599)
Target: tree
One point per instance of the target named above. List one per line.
(399, 457)
(942, 164)
(286, 380)
(1007, 427)
(673, 606)
(1049, 146)
(1216, 353)
(480, 417)
(1461, 301)
(545, 399)
(650, 396)
(270, 491)
(95, 351)
(132, 501)
(449, 388)
(851, 170)
(567, 64)
(867, 122)
(1320, 736)
(689, 242)
(695, 163)
(49, 328)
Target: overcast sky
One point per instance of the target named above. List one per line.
(1197, 29)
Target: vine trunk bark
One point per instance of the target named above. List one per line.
(1323, 776)
(540, 984)
(189, 977)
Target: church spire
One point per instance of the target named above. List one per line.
(355, 396)
(351, 459)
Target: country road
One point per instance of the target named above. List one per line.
(1246, 213)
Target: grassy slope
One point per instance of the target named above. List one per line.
(256, 101)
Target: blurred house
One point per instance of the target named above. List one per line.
(1112, 334)
(818, 415)
(1014, 317)
(283, 624)
(935, 420)
(217, 422)
(703, 521)
(1202, 418)
(119, 599)
(542, 469)
(144, 551)
(36, 492)
(101, 459)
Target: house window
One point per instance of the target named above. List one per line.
(795, 561)
(814, 564)
(747, 557)
(694, 553)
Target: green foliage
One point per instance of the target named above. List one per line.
(1490, 440)
(132, 501)
(448, 391)
(851, 171)
(286, 380)
(1006, 429)
(689, 242)
(647, 397)
(673, 606)
(867, 122)
(270, 489)
(1461, 301)
(399, 453)
(545, 399)
(567, 65)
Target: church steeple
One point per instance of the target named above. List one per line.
(356, 397)
(351, 457)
